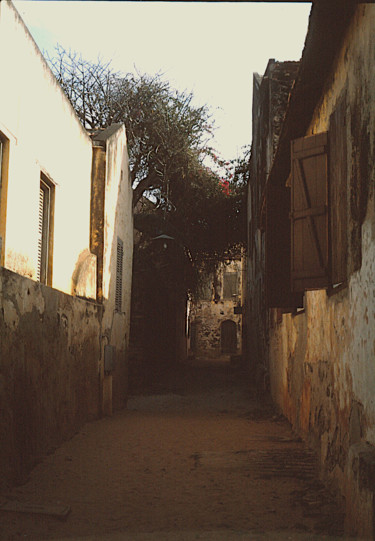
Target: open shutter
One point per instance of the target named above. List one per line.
(309, 213)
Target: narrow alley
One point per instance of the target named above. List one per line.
(152, 286)
(197, 456)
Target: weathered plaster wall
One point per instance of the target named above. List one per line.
(52, 344)
(49, 378)
(206, 316)
(322, 360)
(118, 223)
(44, 135)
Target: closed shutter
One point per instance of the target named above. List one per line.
(119, 264)
(338, 177)
(230, 287)
(309, 213)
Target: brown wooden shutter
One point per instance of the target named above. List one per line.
(338, 176)
(309, 213)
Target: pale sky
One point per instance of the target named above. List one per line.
(209, 48)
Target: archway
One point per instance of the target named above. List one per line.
(228, 336)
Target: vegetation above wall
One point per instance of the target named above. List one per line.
(169, 146)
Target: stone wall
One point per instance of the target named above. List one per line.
(208, 313)
(322, 359)
(49, 383)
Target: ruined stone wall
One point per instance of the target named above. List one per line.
(322, 360)
(207, 315)
(49, 383)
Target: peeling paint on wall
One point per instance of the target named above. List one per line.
(322, 360)
(49, 379)
(320, 356)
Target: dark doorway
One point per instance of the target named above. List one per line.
(228, 336)
(193, 336)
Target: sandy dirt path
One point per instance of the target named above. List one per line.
(198, 458)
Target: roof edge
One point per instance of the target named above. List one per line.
(327, 26)
(102, 135)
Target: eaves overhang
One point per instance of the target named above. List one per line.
(327, 25)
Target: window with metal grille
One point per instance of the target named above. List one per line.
(119, 265)
(230, 286)
(45, 222)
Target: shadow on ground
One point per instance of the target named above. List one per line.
(198, 454)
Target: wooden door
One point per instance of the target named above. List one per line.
(228, 336)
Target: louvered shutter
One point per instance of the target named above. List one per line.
(309, 213)
(41, 229)
(44, 232)
(119, 265)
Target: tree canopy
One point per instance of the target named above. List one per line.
(169, 140)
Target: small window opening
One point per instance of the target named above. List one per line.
(230, 287)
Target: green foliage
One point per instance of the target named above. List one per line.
(168, 140)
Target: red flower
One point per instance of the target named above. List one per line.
(225, 187)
